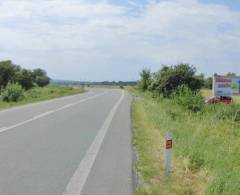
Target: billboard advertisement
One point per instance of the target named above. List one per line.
(226, 85)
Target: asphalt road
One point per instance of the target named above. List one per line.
(75, 145)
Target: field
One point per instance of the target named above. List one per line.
(207, 93)
(206, 148)
(39, 94)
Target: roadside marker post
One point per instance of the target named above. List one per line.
(168, 153)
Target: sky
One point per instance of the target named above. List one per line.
(98, 40)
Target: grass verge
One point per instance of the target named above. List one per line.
(206, 149)
(40, 94)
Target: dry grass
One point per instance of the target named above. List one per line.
(237, 99)
(207, 93)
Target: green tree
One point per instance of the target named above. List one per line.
(7, 72)
(145, 79)
(40, 77)
(231, 74)
(169, 78)
(25, 78)
(208, 82)
(42, 81)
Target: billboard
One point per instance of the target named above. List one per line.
(226, 85)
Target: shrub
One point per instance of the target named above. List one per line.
(33, 93)
(40, 77)
(145, 81)
(208, 83)
(25, 78)
(12, 93)
(169, 78)
(7, 71)
(191, 100)
(42, 81)
(11, 73)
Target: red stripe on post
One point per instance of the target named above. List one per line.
(168, 144)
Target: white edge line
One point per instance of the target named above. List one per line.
(78, 180)
(2, 129)
(50, 112)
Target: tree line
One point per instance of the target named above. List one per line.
(11, 74)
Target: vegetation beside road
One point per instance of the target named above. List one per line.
(206, 148)
(206, 137)
(14, 74)
(22, 86)
(149, 131)
(42, 93)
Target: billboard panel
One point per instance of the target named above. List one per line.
(226, 85)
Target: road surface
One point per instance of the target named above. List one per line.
(74, 145)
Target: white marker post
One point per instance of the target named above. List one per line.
(168, 154)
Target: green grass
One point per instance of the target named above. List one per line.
(206, 149)
(40, 94)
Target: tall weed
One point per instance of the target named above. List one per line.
(191, 100)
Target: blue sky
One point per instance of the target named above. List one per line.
(233, 4)
(114, 39)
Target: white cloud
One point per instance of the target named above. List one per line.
(98, 40)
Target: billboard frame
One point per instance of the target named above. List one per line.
(227, 83)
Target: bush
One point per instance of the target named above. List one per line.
(33, 93)
(191, 100)
(40, 77)
(145, 81)
(169, 78)
(11, 73)
(42, 81)
(7, 71)
(25, 78)
(12, 93)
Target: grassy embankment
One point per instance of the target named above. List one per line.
(206, 148)
(40, 94)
